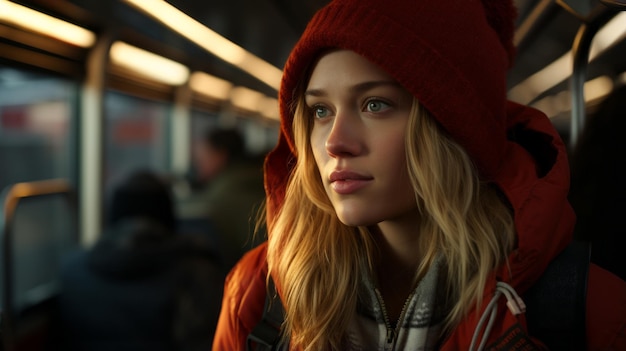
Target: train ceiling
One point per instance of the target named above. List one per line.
(270, 28)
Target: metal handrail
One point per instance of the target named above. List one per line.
(528, 30)
(9, 199)
(616, 4)
(580, 57)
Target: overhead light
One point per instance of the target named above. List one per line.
(210, 40)
(598, 88)
(609, 34)
(253, 101)
(148, 64)
(621, 79)
(246, 99)
(554, 105)
(561, 68)
(543, 80)
(41, 23)
(268, 107)
(210, 86)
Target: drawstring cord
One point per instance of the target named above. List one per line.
(514, 303)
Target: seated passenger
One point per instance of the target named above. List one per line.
(229, 191)
(141, 287)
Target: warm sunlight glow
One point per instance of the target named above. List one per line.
(210, 40)
(35, 21)
(148, 64)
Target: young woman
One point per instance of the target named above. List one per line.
(408, 202)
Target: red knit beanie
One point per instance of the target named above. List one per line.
(452, 55)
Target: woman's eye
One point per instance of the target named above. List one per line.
(320, 112)
(376, 106)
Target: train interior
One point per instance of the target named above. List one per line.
(102, 87)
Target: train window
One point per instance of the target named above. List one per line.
(43, 233)
(36, 116)
(136, 135)
(201, 121)
(260, 137)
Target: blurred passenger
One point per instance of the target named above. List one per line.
(599, 183)
(141, 287)
(229, 191)
(409, 202)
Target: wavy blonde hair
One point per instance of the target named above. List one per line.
(318, 261)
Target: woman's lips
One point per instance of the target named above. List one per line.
(348, 182)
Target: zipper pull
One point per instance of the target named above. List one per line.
(391, 335)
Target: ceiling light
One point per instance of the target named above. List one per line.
(246, 99)
(43, 24)
(268, 107)
(210, 86)
(552, 74)
(210, 40)
(561, 68)
(608, 35)
(148, 64)
(598, 88)
(554, 105)
(621, 79)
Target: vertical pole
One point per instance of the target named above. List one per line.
(180, 130)
(580, 58)
(92, 142)
(7, 321)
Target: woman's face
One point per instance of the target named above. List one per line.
(360, 115)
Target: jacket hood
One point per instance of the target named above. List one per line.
(535, 179)
(455, 65)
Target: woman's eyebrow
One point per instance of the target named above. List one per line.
(357, 88)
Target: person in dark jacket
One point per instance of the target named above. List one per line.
(141, 287)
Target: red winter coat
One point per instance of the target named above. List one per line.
(544, 223)
(244, 298)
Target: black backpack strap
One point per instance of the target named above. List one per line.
(556, 303)
(266, 335)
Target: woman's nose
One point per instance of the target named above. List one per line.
(345, 136)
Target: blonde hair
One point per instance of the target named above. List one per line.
(318, 261)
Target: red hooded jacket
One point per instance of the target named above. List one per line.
(453, 57)
(544, 225)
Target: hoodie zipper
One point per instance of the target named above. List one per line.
(392, 333)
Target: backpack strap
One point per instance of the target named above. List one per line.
(266, 334)
(556, 304)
